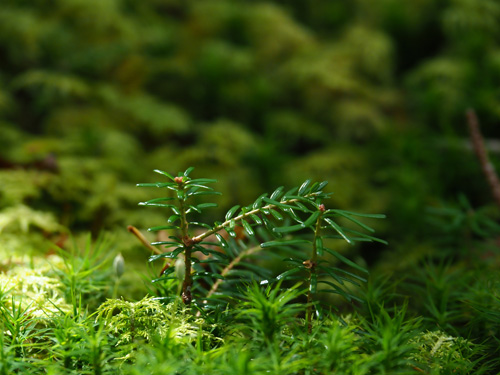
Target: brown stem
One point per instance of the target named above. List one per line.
(190, 242)
(219, 227)
(309, 310)
(188, 247)
(188, 280)
(229, 267)
(142, 239)
(226, 223)
(311, 265)
(482, 154)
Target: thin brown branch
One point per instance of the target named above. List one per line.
(227, 223)
(219, 227)
(311, 265)
(188, 247)
(229, 267)
(142, 239)
(482, 154)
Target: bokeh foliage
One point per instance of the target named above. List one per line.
(367, 95)
(250, 87)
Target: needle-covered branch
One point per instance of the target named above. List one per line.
(289, 222)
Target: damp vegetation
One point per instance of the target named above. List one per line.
(343, 215)
(276, 222)
(214, 303)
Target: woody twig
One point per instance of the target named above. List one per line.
(142, 239)
(229, 267)
(482, 154)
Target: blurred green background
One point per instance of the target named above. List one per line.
(369, 95)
